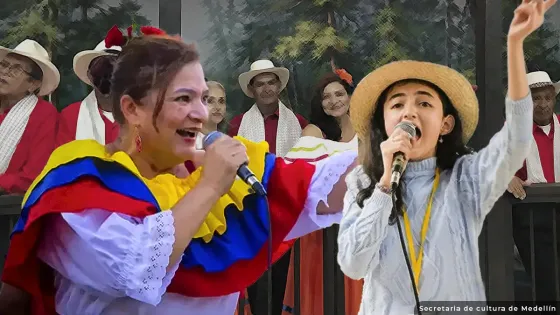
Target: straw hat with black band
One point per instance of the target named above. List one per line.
(259, 67)
(457, 88)
(34, 51)
(539, 79)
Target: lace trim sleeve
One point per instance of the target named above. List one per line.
(327, 173)
(112, 253)
(147, 259)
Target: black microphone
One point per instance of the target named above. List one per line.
(243, 172)
(399, 162)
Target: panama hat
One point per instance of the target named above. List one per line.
(539, 79)
(263, 66)
(34, 51)
(84, 58)
(457, 88)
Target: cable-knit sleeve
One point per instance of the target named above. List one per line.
(362, 230)
(113, 253)
(327, 173)
(483, 177)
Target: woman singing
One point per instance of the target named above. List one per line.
(446, 191)
(110, 229)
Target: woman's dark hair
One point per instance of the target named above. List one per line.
(447, 152)
(100, 71)
(146, 63)
(328, 124)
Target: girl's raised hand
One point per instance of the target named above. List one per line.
(528, 17)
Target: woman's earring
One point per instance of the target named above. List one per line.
(138, 141)
(440, 139)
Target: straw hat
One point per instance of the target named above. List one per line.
(451, 82)
(539, 79)
(32, 50)
(263, 66)
(84, 58)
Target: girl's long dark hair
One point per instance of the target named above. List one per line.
(447, 152)
(328, 124)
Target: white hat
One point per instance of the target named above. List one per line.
(263, 66)
(84, 58)
(541, 79)
(32, 50)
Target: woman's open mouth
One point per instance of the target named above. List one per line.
(187, 133)
(418, 133)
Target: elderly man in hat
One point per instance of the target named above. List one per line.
(271, 121)
(92, 117)
(27, 122)
(541, 166)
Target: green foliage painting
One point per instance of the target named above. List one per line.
(309, 37)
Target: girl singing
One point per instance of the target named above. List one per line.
(445, 192)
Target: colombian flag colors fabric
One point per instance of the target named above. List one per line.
(227, 254)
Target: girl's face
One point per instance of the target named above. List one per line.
(216, 104)
(422, 106)
(336, 101)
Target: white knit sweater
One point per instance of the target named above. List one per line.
(370, 248)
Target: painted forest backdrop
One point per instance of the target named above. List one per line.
(308, 37)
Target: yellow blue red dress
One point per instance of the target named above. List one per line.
(227, 254)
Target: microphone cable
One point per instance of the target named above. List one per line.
(269, 254)
(406, 257)
(269, 258)
(261, 193)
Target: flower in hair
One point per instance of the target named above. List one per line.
(475, 87)
(114, 38)
(150, 30)
(344, 75)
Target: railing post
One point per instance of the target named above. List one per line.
(5, 227)
(10, 206)
(333, 278)
(496, 241)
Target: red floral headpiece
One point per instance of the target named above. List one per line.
(344, 75)
(116, 38)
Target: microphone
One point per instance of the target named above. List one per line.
(399, 162)
(243, 172)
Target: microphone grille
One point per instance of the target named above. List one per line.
(210, 138)
(408, 127)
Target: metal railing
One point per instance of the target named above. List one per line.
(10, 206)
(535, 229)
